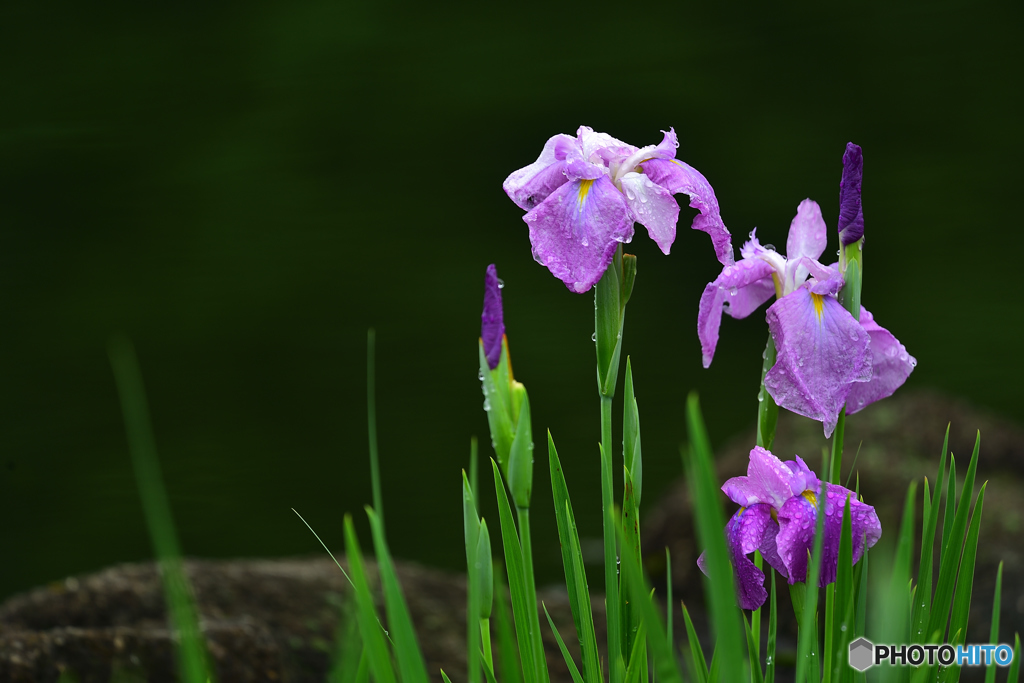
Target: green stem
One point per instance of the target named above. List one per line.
(485, 637)
(611, 564)
(837, 448)
(767, 409)
(540, 662)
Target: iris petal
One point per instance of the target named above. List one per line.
(745, 532)
(822, 349)
(575, 231)
(531, 185)
(733, 279)
(653, 207)
(890, 366)
(767, 481)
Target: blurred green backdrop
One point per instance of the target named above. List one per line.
(244, 188)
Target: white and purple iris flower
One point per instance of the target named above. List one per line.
(583, 195)
(826, 357)
(779, 509)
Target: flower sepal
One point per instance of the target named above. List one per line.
(610, 297)
(496, 385)
(520, 458)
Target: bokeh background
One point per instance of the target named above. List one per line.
(244, 188)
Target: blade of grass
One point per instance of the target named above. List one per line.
(947, 520)
(508, 655)
(725, 618)
(1013, 675)
(411, 666)
(517, 582)
(668, 603)
(349, 651)
(896, 608)
(769, 670)
(630, 544)
(842, 608)
(993, 633)
(696, 652)
(371, 421)
(369, 622)
(923, 603)
(965, 580)
(471, 534)
(637, 669)
(572, 562)
(184, 617)
(952, 546)
(807, 667)
(573, 671)
(756, 675)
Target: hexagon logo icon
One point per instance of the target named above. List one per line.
(862, 654)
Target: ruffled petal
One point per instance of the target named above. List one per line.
(822, 349)
(601, 146)
(678, 176)
(575, 231)
(796, 532)
(807, 234)
(532, 184)
(767, 481)
(492, 320)
(744, 534)
(851, 215)
(721, 291)
(803, 478)
(653, 207)
(890, 366)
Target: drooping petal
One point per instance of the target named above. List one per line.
(492, 321)
(601, 147)
(767, 481)
(717, 293)
(575, 231)
(797, 524)
(744, 533)
(807, 238)
(821, 351)
(851, 215)
(678, 176)
(666, 149)
(653, 207)
(532, 184)
(890, 366)
(746, 300)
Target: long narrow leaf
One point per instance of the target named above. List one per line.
(807, 667)
(896, 609)
(471, 534)
(1013, 675)
(630, 544)
(993, 634)
(573, 671)
(508, 654)
(769, 669)
(842, 607)
(572, 563)
(951, 547)
(923, 603)
(965, 581)
(696, 652)
(725, 618)
(516, 581)
(411, 665)
(369, 622)
(756, 675)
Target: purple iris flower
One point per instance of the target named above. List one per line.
(583, 195)
(778, 515)
(826, 358)
(492, 320)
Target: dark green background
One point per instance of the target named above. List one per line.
(244, 189)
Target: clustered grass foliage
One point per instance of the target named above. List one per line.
(899, 601)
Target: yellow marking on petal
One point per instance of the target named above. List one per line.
(584, 190)
(740, 511)
(775, 515)
(809, 494)
(819, 302)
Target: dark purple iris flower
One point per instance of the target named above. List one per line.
(583, 195)
(492, 320)
(778, 515)
(851, 215)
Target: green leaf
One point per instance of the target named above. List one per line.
(631, 456)
(668, 598)
(640, 597)
(471, 532)
(520, 458)
(769, 670)
(498, 403)
(704, 491)
(696, 653)
(895, 611)
(923, 603)
(637, 668)
(572, 562)
(609, 312)
(445, 677)
(521, 603)
(993, 634)
(1013, 675)
(573, 671)
(369, 622)
(508, 654)
(842, 608)
(965, 582)
(807, 667)
(951, 550)
(630, 544)
(156, 508)
(756, 675)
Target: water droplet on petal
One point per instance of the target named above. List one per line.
(501, 283)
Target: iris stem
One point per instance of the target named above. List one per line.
(837, 448)
(767, 409)
(485, 637)
(611, 564)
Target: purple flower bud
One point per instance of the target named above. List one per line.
(851, 217)
(492, 322)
